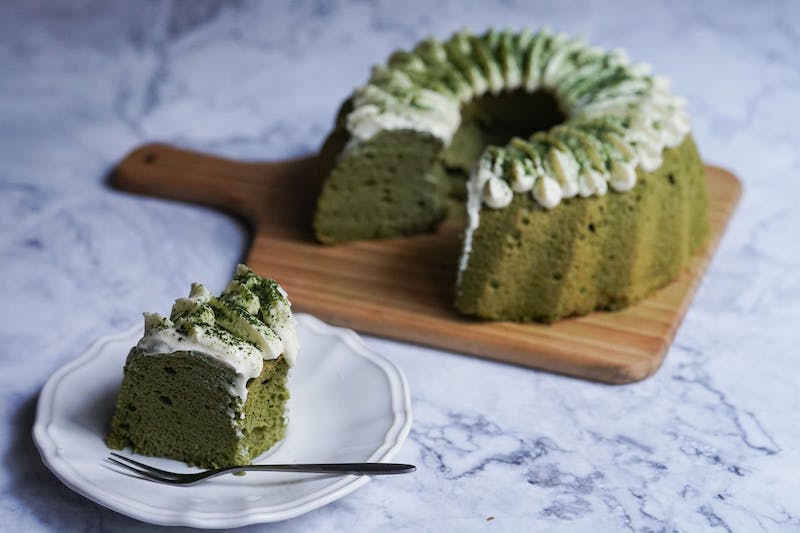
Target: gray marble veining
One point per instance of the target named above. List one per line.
(712, 442)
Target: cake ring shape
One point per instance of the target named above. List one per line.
(598, 203)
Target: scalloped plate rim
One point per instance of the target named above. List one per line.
(62, 468)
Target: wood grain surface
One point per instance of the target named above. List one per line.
(402, 288)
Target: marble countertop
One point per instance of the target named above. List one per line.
(712, 441)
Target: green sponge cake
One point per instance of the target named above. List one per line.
(583, 188)
(600, 252)
(208, 385)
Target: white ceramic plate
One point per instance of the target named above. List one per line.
(348, 404)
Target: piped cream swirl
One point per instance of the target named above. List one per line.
(620, 116)
(250, 322)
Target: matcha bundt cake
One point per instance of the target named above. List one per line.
(208, 385)
(584, 189)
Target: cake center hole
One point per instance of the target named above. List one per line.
(494, 119)
(517, 113)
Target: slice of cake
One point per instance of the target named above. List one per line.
(208, 384)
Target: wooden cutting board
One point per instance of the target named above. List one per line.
(402, 288)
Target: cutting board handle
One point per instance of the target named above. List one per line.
(241, 188)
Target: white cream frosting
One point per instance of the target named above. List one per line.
(481, 175)
(522, 176)
(547, 192)
(376, 110)
(249, 323)
(497, 193)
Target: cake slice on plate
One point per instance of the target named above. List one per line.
(208, 384)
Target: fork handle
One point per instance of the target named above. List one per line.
(357, 469)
